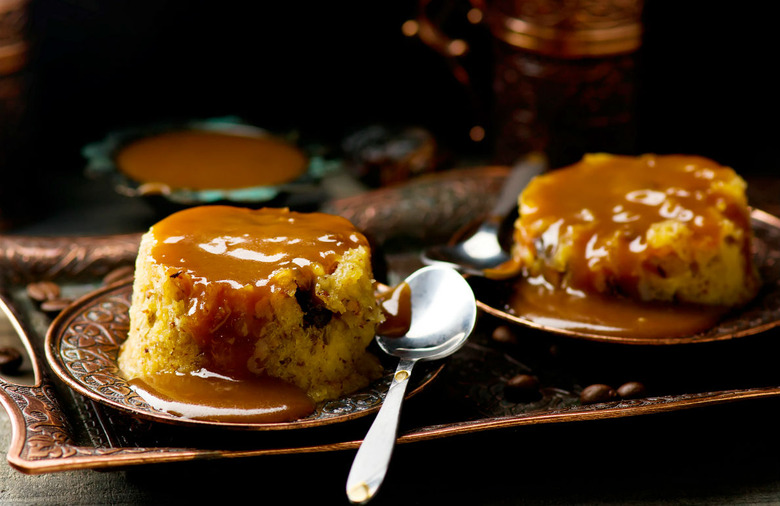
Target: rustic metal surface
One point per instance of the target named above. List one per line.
(56, 429)
(83, 343)
(24, 259)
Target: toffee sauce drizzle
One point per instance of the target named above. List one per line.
(214, 250)
(623, 197)
(396, 307)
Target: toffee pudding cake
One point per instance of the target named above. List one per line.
(246, 293)
(649, 229)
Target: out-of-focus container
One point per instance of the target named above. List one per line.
(14, 49)
(378, 155)
(564, 73)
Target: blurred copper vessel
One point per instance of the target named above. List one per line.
(563, 76)
(13, 104)
(565, 29)
(13, 43)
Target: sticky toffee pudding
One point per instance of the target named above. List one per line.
(236, 300)
(649, 246)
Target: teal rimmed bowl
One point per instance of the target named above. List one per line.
(303, 190)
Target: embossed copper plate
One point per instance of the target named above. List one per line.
(82, 347)
(760, 315)
(58, 429)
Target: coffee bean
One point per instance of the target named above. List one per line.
(504, 335)
(10, 360)
(631, 390)
(122, 272)
(55, 305)
(522, 387)
(40, 291)
(593, 394)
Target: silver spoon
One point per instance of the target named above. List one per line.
(483, 250)
(443, 315)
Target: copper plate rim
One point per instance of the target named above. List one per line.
(108, 370)
(759, 217)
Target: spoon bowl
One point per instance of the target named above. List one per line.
(444, 312)
(483, 249)
(443, 315)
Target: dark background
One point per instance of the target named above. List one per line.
(325, 69)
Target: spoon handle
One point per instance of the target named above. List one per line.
(373, 457)
(522, 172)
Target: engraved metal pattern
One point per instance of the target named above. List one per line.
(24, 259)
(47, 437)
(573, 15)
(84, 341)
(430, 208)
(570, 29)
(468, 395)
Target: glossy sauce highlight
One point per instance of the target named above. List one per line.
(223, 253)
(211, 397)
(203, 160)
(615, 201)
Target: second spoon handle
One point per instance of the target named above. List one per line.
(373, 457)
(522, 172)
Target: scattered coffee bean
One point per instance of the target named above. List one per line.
(40, 291)
(631, 390)
(522, 387)
(122, 272)
(10, 360)
(503, 334)
(55, 305)
(593, 394)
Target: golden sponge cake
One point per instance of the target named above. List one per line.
(244, 293)
(654, 228)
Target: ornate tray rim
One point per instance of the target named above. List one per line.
(41, 441)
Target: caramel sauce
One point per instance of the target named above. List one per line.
(211, 397)
(604, 315)
(397, 309)
(216, 252)
(623, 196)
(203, 160)
(616, 199)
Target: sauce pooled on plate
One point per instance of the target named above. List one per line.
(247, 297)
(639, 246)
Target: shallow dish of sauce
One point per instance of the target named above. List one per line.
(199, 162)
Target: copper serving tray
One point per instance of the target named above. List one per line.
(57, 429)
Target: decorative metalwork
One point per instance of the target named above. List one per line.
(430, 208)
(565, 29)
(24, 259)
(84, 341)
(56, 428)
